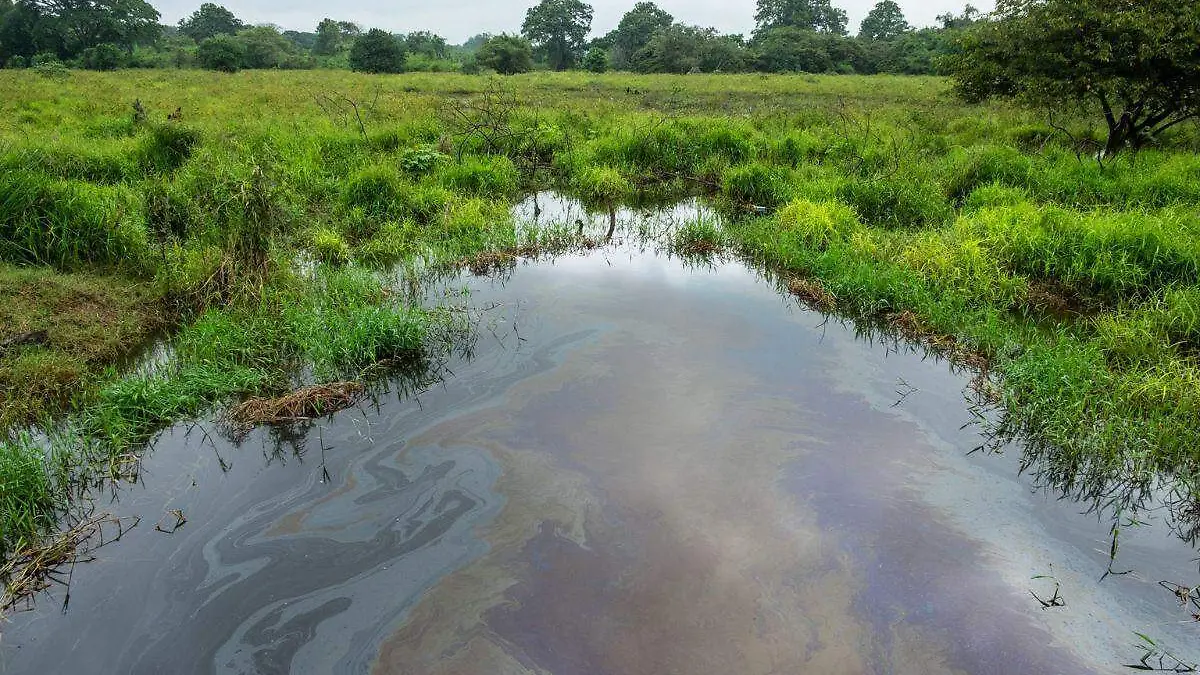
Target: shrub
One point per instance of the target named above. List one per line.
(505, 54)
(377, 52)
(421, 159)
(106, 56)
(596, 60)
(224, 53)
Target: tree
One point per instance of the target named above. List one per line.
(221, 52)
(377, 52)
(425, 43)
(1136, 64)
(818, 15)
(684, 49)
(635, 30)
(506, 54)
(558, 28)
(82, 24)
(209, 21)
(22, 32)
(105, 56)
(885, 22)
(474, 42)
(265, 48)
(329, 38)
(596, 60)
(969, 17)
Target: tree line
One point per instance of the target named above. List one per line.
(790, 36)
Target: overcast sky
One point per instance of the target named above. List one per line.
(457, 20)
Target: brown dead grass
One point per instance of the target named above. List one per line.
(812, 293)
(300, 405)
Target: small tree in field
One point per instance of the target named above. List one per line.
(1137, 64)
(505, 54)
(377, 52)
(596, 60)
(221, 52)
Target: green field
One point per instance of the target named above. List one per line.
(977, 230)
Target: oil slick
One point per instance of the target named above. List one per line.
(672, 470)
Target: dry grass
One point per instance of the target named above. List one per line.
(299, 406)
(38, 567)
(812, 293)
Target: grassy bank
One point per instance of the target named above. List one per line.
(254, 227)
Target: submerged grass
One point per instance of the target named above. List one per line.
(253, 229)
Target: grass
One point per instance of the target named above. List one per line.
(258, 227)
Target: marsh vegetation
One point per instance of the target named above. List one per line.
(266, 230)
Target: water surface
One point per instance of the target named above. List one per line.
(647, 467)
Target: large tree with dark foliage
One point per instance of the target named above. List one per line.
(377, 52)
(818, 15)
(558, 28)
(208, 21)
(635, 30)
(1136, 64)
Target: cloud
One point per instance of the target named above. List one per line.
(457, 20)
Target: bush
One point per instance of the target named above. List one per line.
(505, 54)
(377, 52)
(224, 53)
(18, 62)
(596, 60)
(103, 57)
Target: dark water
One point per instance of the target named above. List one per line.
(646, 468)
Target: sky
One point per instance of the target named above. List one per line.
(457, 20)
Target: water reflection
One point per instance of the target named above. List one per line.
(643, 467)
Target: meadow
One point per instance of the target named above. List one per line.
(250, 220)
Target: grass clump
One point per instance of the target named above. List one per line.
(896, 202)
(67, 224)
(487, 175)
(756, 184)
(28, 499)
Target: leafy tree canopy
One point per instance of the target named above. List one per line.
(885, 22)
(427, 44)
(558, 28)
(817, 15)
(221, 52)
(505, 54)
(637, 27)
(683, 49)
(265, 47)
(377, 52)
(208, 21)
(1135, 63)
(596, 60)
